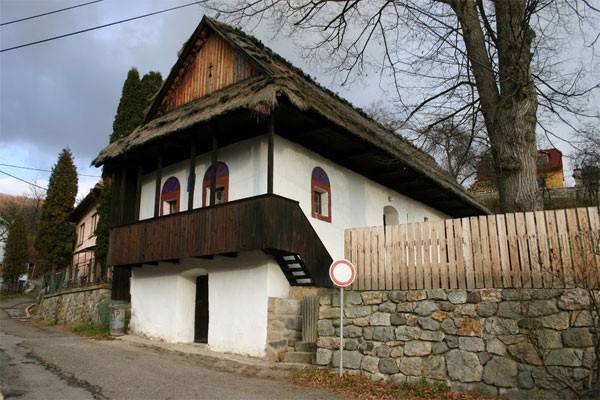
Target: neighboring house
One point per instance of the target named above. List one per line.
(241, 183)
(549, 165)
(84, 268)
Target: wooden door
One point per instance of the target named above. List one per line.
(201, 321)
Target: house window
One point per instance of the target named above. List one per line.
(94, 224)
(321, 195)
(221, 187)
(390, 216)
(169, 197)
(81, 233)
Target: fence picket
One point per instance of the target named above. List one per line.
(532, 246)
(467, 253)
(412, 280)
(450, 260)
(426, 246)
(494, 251)
(565, 248)
(544, 254)
(419, 256)
(476, 249)
(484, 240)
(574, 241)
(403, 258)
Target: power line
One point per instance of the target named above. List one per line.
(22, 180)
(100, 26)
(41, 169)
(48, 13)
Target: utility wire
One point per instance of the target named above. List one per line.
(42, 170)
(22, 180)
(100, 26)
(48, 13)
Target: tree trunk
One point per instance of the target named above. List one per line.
(508, 101)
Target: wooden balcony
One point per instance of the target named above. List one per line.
(268, 222)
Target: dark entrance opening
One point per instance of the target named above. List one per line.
(201, 322)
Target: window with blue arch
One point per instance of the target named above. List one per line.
(320, 190)
(169, 196)
(221, 187)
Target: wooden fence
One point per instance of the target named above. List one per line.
(544, 249)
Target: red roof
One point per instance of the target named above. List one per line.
(549, 160)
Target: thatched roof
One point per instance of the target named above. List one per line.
(279, 79)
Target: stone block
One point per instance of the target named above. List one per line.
(439, 315)
(384, 333)
(486, 309)
(387, 307)
(464, 366)
(329, 312)
(448, 326)
(325, 300)
(574, 299)
(351, 298)
(472, 344)
(350, 331)
(501, 326)
(509, 309)
(515, 294)
(397, 319)
(465, 310)
(446, 306)
(501, 372)
(380, 319)
(368, 332)
(412, 366)
(405, 332)
(525, 380)
(369, 298)
(426, 307)
(581, 318)
(432, 336)
(542, 294)
(323, 356)
(388, 366)
(325, 328)
(416, 295)
(397, 351)
(355, 311)
(405, 307)
(457, 296)
(437, 294)
(397, 296)
(469, 327)
(525, 352)
(439, 348)
(383, 351)
(434, 367)
(577, 337)
(328, 342)
(351, 344)
(539, 308)
(559, 321)
(428, 323)
(370, 364)
(452, 341)
(362, 321)
(495, 346)
(548, 339)
(417, 348)
(351, 359)
(367, 348)
(491, 295)
(589, 357)
(473, 296)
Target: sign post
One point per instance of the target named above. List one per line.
(342, 273)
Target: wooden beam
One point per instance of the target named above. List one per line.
(157, 187)
(270, 151)
(213, 168)
(138, 191)
(192, 175)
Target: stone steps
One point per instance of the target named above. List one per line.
(299, 357)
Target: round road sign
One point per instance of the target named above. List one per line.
(342, 273)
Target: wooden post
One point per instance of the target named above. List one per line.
(138, 191)
(157, 187)
(213, 168)
(271, 139)
(192, 176)
(114, 201)
(122, 196)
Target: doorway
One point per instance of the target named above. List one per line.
(201, 321)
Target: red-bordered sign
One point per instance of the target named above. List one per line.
(342, 273)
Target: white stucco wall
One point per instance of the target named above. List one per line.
(163, 301)
(356, 200)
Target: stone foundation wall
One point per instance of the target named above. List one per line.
(528, 343)
(284, 326)
(78, 306)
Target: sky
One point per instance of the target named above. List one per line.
(65, 93)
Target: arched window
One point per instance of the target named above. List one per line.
(169, 197)
(222, 186)
(390, 216)
(320, 190)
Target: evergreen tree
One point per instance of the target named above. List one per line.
(15, 255)
(55, 236)
(135, 98)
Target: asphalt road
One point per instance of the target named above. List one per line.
(46, 363)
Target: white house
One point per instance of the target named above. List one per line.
(240, 184)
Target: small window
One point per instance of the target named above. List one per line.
(169, 197)
(321, 195)
(221, 187)
(81, 233)
(94, 225)
(390, 216)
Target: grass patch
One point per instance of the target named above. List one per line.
(361, 387)
(95, 331)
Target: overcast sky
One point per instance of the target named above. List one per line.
(65, 93)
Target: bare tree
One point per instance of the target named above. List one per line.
(499, 61)
(586, 163)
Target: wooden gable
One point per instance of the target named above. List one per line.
(212, 65)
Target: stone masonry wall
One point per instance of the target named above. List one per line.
(520, 343)
(80, 306)
(284, 326)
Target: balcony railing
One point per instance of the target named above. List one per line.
(268, 222)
